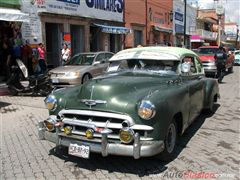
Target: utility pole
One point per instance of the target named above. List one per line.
(219, 12)
(236, 44)
(185, 17)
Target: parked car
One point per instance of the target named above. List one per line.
(237, 57)
(80, 68)
(206, 54)
(147, 98)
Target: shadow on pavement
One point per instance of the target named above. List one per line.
(142, 167)
(4, 104)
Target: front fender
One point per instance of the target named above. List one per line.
(210, 90)
(168, 103)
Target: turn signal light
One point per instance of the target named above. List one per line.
(126, 135)
(89, 133)
(68, 130)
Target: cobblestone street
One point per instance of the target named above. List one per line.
(210, 145)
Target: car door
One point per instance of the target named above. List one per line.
(99, 65)
(195, 83)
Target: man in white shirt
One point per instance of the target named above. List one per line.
(65, 54)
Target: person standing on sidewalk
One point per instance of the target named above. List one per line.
(41, 58)
(65, 54)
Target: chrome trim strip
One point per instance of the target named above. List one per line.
(98, 114)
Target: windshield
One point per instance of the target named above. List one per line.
(157, 66)
(81, 59)
(211, 51)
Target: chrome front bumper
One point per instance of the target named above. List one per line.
(137, 149)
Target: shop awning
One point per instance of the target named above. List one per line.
(161, 29)
(113, 29)
(7, 14)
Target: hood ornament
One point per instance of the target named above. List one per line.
(91, 102)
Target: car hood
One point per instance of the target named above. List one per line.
(119, 93)
(206, 57)
(64, 69)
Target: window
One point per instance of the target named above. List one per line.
(137, 37)
(190, 60)
(101, 57)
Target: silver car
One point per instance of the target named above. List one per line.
(80, 68)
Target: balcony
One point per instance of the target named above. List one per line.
(208, 35)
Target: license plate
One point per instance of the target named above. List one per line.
(79, 150)
(55, 80)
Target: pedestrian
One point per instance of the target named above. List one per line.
(27, 57)
(220, 60)
(66, 53)
(41, 58)
(5, 61)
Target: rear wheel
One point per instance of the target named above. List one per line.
(13, 91)
(170, 142)
(86, 77)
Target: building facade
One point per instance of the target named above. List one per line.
(84, 25)
(178, 23)
(135, 19)
(159, 22)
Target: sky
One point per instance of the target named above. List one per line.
(232, 8)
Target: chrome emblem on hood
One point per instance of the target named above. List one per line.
(90, 102)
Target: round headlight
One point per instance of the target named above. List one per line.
(51, 103)
(146, 110)
(126, 135)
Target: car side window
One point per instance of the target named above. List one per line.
(108, 56)
(190, 60)
(100, 58)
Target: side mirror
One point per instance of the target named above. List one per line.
(185, 67)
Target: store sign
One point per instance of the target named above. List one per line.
(179, 16)
(100, 9)
(71, 1)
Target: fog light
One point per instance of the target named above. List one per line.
(68, 130)
(89, 133)
(49, 125)
(126, 135)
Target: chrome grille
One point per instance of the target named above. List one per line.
(81, 120)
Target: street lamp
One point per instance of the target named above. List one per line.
(171, 16)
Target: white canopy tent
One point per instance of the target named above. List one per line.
(7, 14)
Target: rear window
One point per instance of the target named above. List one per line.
(208, 50)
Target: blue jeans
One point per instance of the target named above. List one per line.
(42, 65)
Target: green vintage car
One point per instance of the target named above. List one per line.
(147, 97)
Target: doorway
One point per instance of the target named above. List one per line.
(53, 43)
(77, 39)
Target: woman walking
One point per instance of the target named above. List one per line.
(41, 58)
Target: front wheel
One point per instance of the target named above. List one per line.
(170, 143)
(86, 77)
(13, 91)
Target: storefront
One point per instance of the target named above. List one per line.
(11, 42)
(83, 25)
